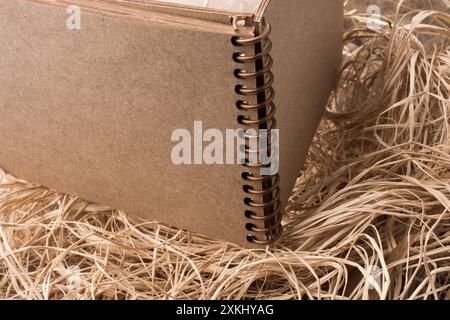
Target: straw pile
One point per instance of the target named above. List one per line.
(369, 218)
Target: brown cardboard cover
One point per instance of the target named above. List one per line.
(307, 50)
(90, 112)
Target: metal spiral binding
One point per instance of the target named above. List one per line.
(263, 228)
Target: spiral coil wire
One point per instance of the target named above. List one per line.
(266, 199)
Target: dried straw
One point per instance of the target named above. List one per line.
(369, 218)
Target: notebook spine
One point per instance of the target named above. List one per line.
(264, 212)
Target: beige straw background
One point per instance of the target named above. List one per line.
(369, 217)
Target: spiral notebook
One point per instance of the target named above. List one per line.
(129, 103)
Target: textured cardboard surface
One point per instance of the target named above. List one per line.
(90, 112)
(307, 50)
